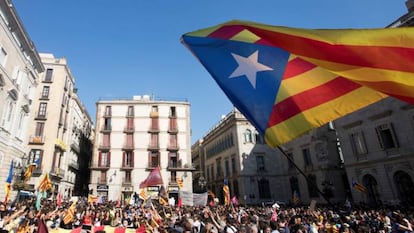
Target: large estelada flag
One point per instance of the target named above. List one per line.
(287, 81)
(7, 185)
(31, 168)
(154, 178)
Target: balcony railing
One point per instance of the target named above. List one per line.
(104, 146)
(127, 166)
(106, 129)
(74, 164)
(100, 166)
(153, 165)
(37, 139)
(153, 146)
(154, 129)
(126, 182)
(40, 116)
(173, 147)
(129, 129)
(58, 172)
(128, 146)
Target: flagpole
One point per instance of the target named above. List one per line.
(304, 175)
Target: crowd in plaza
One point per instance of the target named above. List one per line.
(84, 216)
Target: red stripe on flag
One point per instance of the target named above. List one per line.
(359, 56)
(313, 97)
(226, 32)
(297, 66)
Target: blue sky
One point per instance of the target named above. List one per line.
(117, 49)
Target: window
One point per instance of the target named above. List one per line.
(212, 172)
(154, 108)
(248, 136)
(173, 141)
(172, 159)
(104, 158)
(386, 136)
(259, 138)
(233, 165)
(127, 177)
(7, 115)
(264, 189)
(307, 157)
(226, 168)
(3, 56)
(42, 110)
(107, 124)
(130, 123)
(154, 140)
(129, 140)
(358, 143)
(130, 111)
(312, 188)
(48, 76)
(66, 83)
(39, 129)
(108, 111)
(260, 163)
(218, 163)
(154, 159)
(35, 155)
(45, 92)
(208, 173)
(106, 140)
(128, 159)
(172, 112)
(291, 164)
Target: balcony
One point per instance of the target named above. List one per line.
(128, 146)
(75, 147)
(74, 164)
(152, 165)
(58, 172)
(173, 129)
(60, 144)
(106, 129)
(176, 166)
(129, 129)
(38, 140)
(41, 116)
(100, 166)
(126, 182)
(101, 181)
(154, 114)
(104, 146)
(173, 147)
(127, 166)
(107, 114)
(154, 129)
(153, 147)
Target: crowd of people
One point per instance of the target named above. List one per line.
(23, 216)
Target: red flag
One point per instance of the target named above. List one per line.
(180, 202)
(141, 229)
(274, 215)
(77, 230)
(59, 200)
(98, 228)
(235, 201)
(154, 178)
(41, 226)
(119, 230)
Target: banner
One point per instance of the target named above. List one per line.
(193, 199)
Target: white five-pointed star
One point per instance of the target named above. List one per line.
(248, 66)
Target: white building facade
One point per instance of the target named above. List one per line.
(134, 136)
(20, 67)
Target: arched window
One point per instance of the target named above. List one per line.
(372, 186)
(405, 187)
(248, 136)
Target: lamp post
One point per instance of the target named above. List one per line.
(19, 170)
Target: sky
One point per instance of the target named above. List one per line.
(118, 49)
